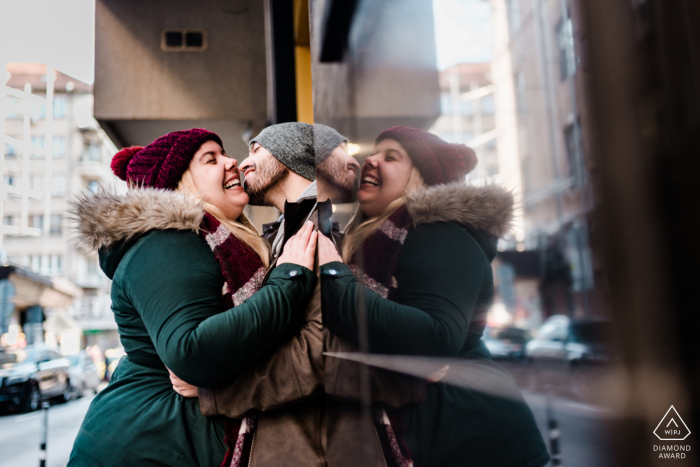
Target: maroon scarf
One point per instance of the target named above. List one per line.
(243, 272)
(380, 252)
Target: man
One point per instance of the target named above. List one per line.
(281, 171)
(283, 164)
(336, 170)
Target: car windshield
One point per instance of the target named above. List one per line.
(73, 359)
(589, 333)
(514, 334)
(15, 356)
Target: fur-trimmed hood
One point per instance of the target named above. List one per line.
(486, 208)
(104, 219)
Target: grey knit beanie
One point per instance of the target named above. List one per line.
(326, 139)
(292, 144)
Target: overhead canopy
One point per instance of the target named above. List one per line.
(33, 289)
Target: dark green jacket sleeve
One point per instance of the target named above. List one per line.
(175, 285)
(440, 274)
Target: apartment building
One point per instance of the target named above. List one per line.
(80, 156)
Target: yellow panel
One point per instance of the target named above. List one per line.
(305, 104)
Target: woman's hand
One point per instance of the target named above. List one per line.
(326, 251)
(301, 248)
(182, 388)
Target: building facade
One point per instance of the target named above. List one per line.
(79, 162)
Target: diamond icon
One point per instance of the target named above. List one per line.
(672, 427)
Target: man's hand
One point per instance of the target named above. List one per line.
(326, 251)
(182, 388)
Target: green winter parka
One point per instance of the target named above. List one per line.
(167, 302)
(444, 286)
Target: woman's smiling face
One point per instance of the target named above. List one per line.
(218, 179)
(384, 177)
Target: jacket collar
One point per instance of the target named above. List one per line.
(486, 208)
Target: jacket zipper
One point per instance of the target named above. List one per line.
(252, 445)
(380, 444)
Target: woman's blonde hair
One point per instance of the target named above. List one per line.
(361, 227)
(241, 228)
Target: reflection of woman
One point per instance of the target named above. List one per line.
(426, 240)
(170, 252)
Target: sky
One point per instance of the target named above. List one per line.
(462, 32)
(60, 33)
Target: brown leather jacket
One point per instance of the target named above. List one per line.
(307, 403)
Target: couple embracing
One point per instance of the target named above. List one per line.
(225, 331)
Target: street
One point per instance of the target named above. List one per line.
(583, 440)
(582, 427)
(20, 434)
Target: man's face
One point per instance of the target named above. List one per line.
(262, 173)
(337, 175)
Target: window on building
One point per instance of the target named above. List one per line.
(93, 151)
(38, 110)
(488, 105)
(446, 103)
(93, 186)
(35, 263)
(56, 264)
(37, 141)
(10, 150)
(12, 108)
(467, 108)
(56, 224)
(59, 107)
(9, 180)
(59, 146)
(91, 266)
(567, 57)
(58, 185)
(36, 221)
(7, 220)
(513, 7)
(573, 144)
(521, 91)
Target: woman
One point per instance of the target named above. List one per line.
(426, 240)
(172, 246)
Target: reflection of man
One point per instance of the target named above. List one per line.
(280, 172)
(336, 170)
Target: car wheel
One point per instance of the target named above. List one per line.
(67, 393)
(33, 399)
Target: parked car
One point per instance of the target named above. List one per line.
(83, 373)
(506, 343)
(569, 355)
(112, 357)
(31, 375)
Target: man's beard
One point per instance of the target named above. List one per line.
(334, 177)
(267, 174)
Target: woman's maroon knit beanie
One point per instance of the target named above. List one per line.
(437, 160)
(161, 163)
